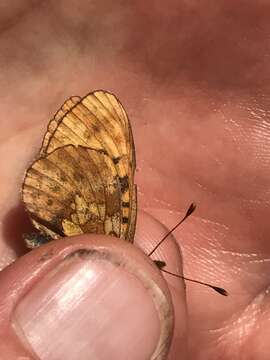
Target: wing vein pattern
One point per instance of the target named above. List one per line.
(83, 178)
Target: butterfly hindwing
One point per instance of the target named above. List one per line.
(74, 190)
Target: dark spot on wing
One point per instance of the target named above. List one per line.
(124, 220)
(116, 160)
(78, 176)
(101, 151)
(125, 204)
(96, 128)
(124, 183)
(49, 202)
(56, 188)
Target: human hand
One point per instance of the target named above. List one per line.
(194, 81)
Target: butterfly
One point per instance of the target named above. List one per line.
(82, 180)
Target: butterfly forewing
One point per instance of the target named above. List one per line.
(68, 104)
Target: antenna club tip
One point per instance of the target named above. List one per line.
(221, 291)
(191, 209)
(193, 206)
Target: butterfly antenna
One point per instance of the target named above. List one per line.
(216, 288)
(160, 264)
(190, 210)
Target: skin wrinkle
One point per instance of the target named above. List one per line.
(249, 316)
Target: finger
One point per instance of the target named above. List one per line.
(85, 297)
(149, 232)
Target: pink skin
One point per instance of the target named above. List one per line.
(194, 79)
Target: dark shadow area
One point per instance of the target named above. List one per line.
(15, 224)
(223, 45)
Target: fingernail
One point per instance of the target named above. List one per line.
(88, 307)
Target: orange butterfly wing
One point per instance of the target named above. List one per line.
(83, 180)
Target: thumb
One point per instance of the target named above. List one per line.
(86, 297)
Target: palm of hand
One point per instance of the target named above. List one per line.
(201, 133)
